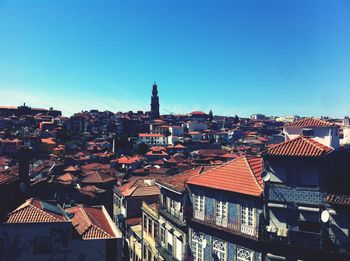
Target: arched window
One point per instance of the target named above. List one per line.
(244, 254)
(197, 246)
(219, 250)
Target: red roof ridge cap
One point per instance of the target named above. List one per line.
(26, 204)
(251, 172)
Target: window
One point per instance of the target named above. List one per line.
(219, 250)
(221, 212)
(162, 234)
(155, 235)
(150, 227)
(247, 214)
(170, 242)
(198, 202)
(144, 222)
(244, 254)
(308, 132)
(42, 245)
(172, 204)
(197, 246)
(178, 248)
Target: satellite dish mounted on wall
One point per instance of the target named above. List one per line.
(265, 175)
(325, 216)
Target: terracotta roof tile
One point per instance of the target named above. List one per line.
(150, 135)
(299, 147)
(35, 211)
(91, 222)
(128, 160)
(309, 122)
(178, 182)
(7, 176)
(241, 175)
(98, 177)
(338, 199)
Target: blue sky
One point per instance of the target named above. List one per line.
(234, 57)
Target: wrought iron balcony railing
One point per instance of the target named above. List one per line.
(234, 226)
(172, 214)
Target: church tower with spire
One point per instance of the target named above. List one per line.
(155, 102)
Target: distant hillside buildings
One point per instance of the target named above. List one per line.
(26, 110)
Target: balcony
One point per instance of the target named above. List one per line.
(339, 244)
(164, 252)
(305, 239)
(172, 215)
(167, 255)
(295, 238)
(232, 226)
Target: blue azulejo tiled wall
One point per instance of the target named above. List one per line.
(231, 249)
(297, 195)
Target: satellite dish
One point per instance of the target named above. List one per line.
(265, 175)
(325, 216)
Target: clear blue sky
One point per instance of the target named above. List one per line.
(234, 57)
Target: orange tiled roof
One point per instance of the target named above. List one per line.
(98, 177)
(197, 113)
(338, 199)
(95, 166)
(150, 135)
(128, 160)
(137, 186)
(91, 222)
(299, 147)
(48, 141)
(71, 169)
(241, 175)
(178, 182)
(34, 211)
(310, 122)
(7, 176)
(179, 146)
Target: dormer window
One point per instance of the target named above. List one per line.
(307, 132)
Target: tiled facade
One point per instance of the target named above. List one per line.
(230, 230)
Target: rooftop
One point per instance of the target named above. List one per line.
(241, 175)
(92, 222)
(299, 147)
(309, 122)
(178, 182)
(36, 211)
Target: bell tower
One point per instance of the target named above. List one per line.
(154, 102)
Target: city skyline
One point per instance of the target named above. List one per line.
(239, 57)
